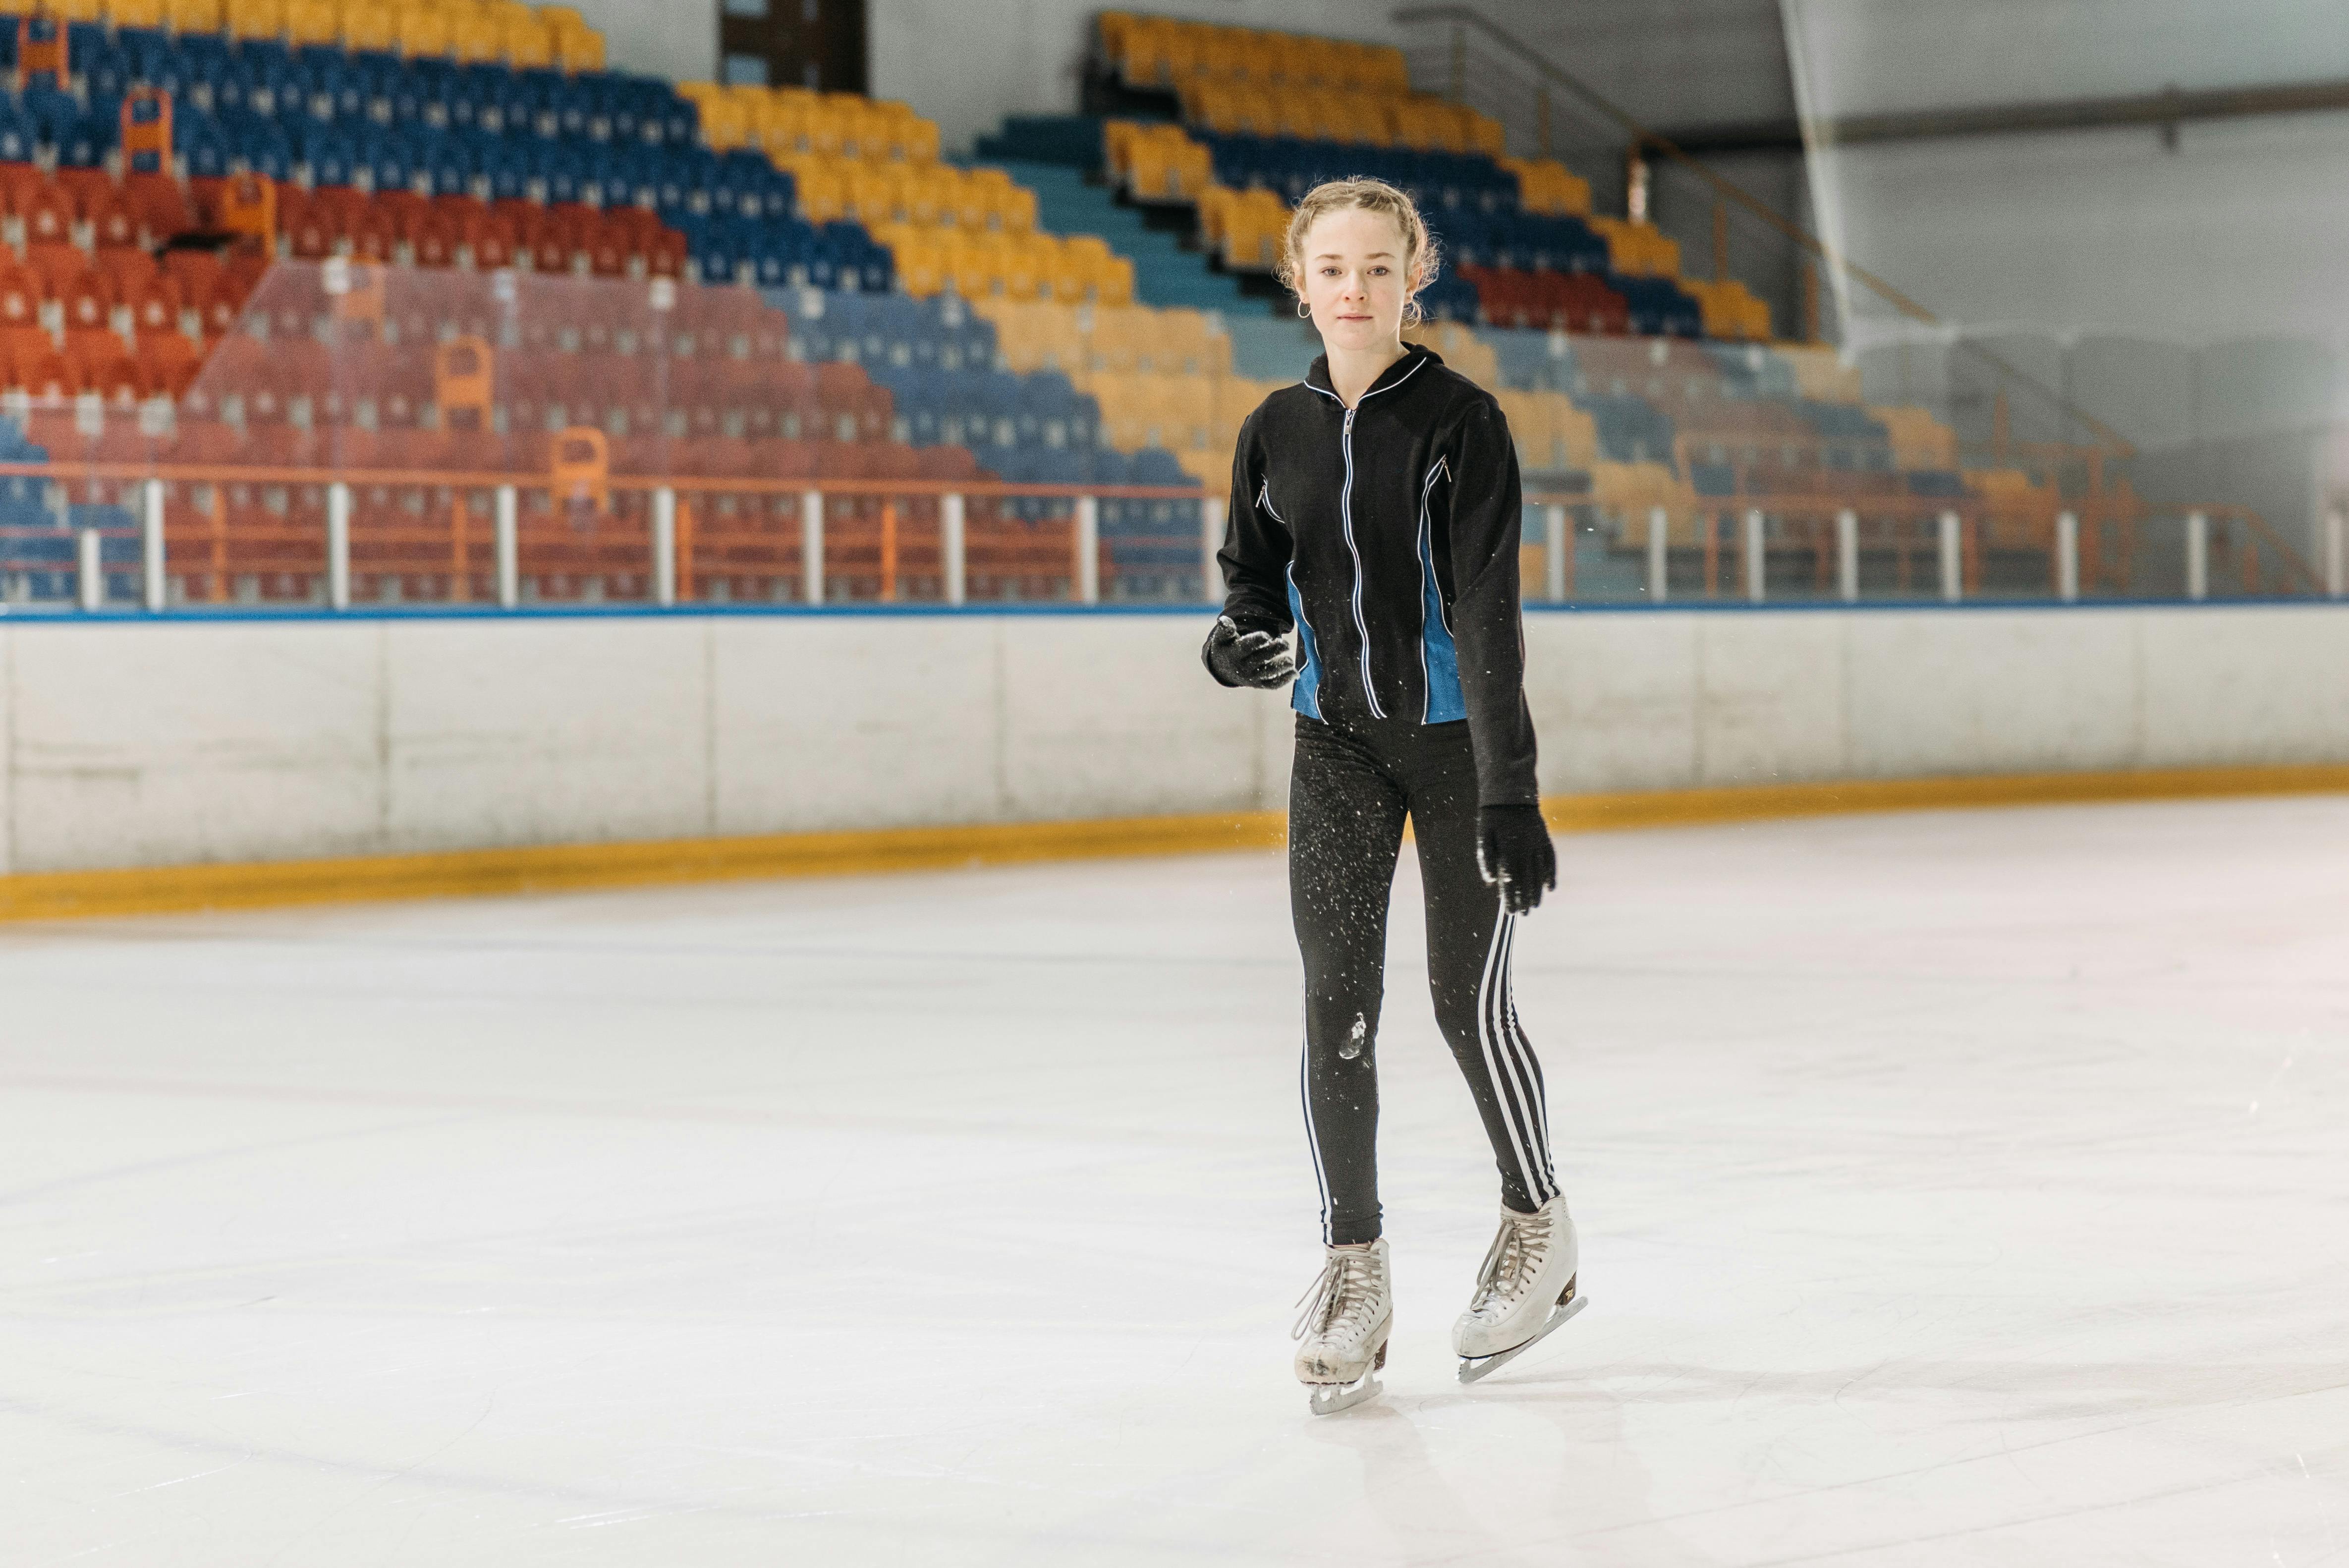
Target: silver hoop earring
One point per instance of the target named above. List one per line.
(1304, 310)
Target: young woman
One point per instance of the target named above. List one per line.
(1374, 512)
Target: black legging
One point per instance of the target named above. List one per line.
(1349, 793)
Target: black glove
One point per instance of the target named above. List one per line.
(1255, 659)
(1513, 852)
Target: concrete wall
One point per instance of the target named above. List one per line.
(672, 38)
(159, 743)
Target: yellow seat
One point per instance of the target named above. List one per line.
(577, 47)
(921, 261)
(1919, 439)
(309, 21)
(135, 12)
(1127, 420)
(1112, 27)
(781, 121)
(478, 37)
(419, 31)
(822, 187)
(192, 15)
(1179, 54)
(724, 123)
(367, 24)
(1066, 279)
(529, 44)
(257, 18)
(1113, 345)
(1149, 46)
(78, 11)
(1119, 140)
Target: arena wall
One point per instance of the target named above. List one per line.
(137, 743)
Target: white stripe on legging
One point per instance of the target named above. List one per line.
(1313, 1133)
(1521, 1050)
(1494, 1069)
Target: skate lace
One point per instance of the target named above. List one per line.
(1340, 1296)
(1513, 1260)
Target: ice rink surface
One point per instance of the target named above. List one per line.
(1965, 1188)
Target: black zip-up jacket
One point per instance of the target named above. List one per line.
(1388, 535)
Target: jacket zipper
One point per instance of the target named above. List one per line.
(1346, 513)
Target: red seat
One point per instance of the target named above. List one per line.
(194, 270)
(168, 362)
(405, 209)
(162, 209)
(224, 305)
(307, 226)
(126, 273)
(609, 244)
(113, 222)
(38, 369)
(102, 365)
(18, 183)
(435, 238)
(665, 255)
(154, 304)
(88, 311)
(495, 236)
(373, 234)
(554, 240)
(82, 185)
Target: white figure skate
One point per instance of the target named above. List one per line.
(1348, 1313)
(1523, 1291)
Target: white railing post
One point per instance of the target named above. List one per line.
(508, 531)
(1087, 582)
(952, 549)
(2336, 554)
(1847, 556)
(1659, 539)
(338, 546)
(1211, 539)
(665, 546)
(150, 539)
(1953, 575)
(1556, 542)
(812, 546)
(2198, 555)
(1752, 552)
(2067, 557)
(89, 562)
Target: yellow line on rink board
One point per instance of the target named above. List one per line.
(55, 895)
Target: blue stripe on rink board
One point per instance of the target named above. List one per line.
(66, 615)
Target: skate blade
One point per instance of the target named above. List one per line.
(1473, 1368)
(1329, 1398)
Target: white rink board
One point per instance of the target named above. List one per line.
(1955, 1189)
(144, 744)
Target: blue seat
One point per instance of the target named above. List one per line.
(446, 161)
(86, 142)
(561, 172)
(540, 87)
(198, 138)
(329, 155)
(374, 76)
(387, 158)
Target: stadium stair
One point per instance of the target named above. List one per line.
(1164, 271)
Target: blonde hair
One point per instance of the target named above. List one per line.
(1419, 258)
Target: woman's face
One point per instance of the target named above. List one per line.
(1354, 278)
